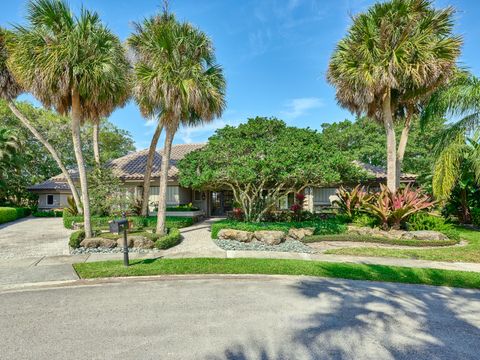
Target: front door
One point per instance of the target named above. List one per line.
(222, 202)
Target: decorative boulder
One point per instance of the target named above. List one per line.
(238, 235)
(129, 242)
(299, 234)
(142, 242)
(424, 235)
(98, 242)
(270, 237)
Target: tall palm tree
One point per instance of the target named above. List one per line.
(392, 58)
(180, 80)
(71, 63)
(9, 90)
(458, 164)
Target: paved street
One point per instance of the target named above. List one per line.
(33, 237)
(240, 318)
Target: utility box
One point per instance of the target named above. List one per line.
(117, 226)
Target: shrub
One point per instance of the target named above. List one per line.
(394, 209)
(322, 227)
(352, 202)
(49, 213)
(7, 214)
(22, 212)
(184, 207)
(424, 221)
(171, 239)
(76, 238)
(365, 220)
(476, 216)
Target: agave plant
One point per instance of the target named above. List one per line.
(394, 208)
(352, 202)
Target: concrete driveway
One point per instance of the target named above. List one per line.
(33, 237)
(240, 318)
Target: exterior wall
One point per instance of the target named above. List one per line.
(322, 197)
(60, 200)
(176, 195)
(200, 200)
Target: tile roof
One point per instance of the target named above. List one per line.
(380, 173)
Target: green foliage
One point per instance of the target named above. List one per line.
(101, 222)
(185, 207)
(424, 221)
(351, 203)
(476, 216)
(262, 161)
(328, 226)
(7, 214)
(49, 213)
(365, 220)
(76, 238)
(173, 238)
(71, 209)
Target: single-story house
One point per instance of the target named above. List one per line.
(54, 192)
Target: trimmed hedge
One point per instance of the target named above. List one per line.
(424, 221)
(170, 240)
(322, 227)
(476, 216)
(49, 213)
(76, 238)
(101, 222)
(8, 214)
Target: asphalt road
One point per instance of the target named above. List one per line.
(241, 318)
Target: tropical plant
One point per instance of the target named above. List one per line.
(71, 63)
(9, 144)
(458, 165)
(394, 208)
(392, 58)
(71, 209)
(9, 90)
(351, 203)
(180, 81)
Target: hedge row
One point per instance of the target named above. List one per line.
(322, 227)
(8, 214)
(48, 213)
(170, 240)
(101, 222)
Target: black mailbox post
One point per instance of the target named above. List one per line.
(116, 226)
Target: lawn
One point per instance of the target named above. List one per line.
(280, 267)
(468, 253)
(381, 240)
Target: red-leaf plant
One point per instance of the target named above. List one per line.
(352, 202)
(393, 209)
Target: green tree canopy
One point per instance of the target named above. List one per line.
(263, 160)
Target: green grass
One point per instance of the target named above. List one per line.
(381, 240)
(468, 253)
(280, 267)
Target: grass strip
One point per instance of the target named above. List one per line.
(380, 240)
(396, 274)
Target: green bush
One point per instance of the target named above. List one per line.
(424, 221)
(101, 222)
(22, 212)
(7, 214)
(322, 227)
(365, 220)
(476, 216)
(76, 238)
(49, 213)
(171, 239)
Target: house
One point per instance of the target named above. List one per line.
(54, 192)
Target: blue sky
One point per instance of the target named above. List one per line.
(274, 53)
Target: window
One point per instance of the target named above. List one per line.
(49, 199)
(172, 195)
(324, 196)
(197, 195)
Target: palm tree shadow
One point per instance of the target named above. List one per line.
(369, 320)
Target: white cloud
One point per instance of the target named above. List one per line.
(300, 106)
(152, 122)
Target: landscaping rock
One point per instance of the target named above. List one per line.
(424, 235)
(270, 237)
(299, 234)
(238, 235)
(142, 242)
(98, 242)
(129, 242)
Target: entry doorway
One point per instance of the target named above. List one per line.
(221, 202)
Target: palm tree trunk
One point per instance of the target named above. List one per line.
(96, 147)
(77, 146)
(162, 196)
(391, 143)
(402, 145)
(465, 210)
(50, 149)
(148, 169)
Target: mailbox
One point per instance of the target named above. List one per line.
(117, 226)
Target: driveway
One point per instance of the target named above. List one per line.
(33, 237)
(240, 318)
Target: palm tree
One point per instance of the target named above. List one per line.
(9, 144)
(9, 90)
(458, 164)
(73, 64)
(393, 57)
(180, 82)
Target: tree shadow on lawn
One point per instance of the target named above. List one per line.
(369, 320)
